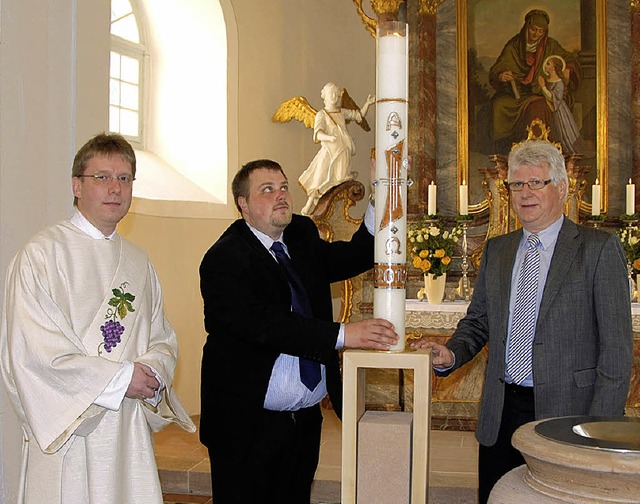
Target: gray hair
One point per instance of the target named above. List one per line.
(540, 153)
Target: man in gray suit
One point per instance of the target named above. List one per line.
(552, 302)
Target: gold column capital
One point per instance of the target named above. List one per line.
(431, 6)
(635, 4)
(382, 7)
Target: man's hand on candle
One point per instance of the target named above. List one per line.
(377, 334)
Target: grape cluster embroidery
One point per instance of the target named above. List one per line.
(119, 305)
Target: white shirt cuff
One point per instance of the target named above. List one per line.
(340, 340)
(114, 392)
(370, 219)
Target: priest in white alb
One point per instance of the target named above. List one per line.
(87, 354)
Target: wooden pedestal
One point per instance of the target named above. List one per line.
(355, 364)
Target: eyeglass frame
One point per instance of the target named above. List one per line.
(545, 183)
(105, 179)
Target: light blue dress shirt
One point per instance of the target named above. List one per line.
(286, 392)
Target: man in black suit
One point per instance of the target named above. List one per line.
(571, 352)
(260, 422)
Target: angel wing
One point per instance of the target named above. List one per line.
(296, 108)
(349, 103)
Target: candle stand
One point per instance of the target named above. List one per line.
(595, 220)
(630, 221)
(464, 290)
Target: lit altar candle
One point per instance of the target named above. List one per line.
(631, 198)
(390, 268)
(464, 199)
(431, 203)
(595, 198)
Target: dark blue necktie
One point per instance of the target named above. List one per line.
(309, 370)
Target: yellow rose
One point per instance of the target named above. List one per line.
(417, 262)
(424, 254)
(439, 253)
(446, 260)
(425, 265)
(636, 264)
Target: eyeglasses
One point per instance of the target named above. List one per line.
(534, 185)
(124, 180)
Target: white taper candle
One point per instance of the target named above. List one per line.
(464, 199)
(431, 201)
(631, 198)
(595, 198)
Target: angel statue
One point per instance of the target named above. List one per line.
(331, 166)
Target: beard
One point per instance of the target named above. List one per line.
(281, 220)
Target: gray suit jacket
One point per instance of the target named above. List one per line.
(583, 346)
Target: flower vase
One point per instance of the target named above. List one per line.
(434, 287)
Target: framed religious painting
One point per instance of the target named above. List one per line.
(520, 61)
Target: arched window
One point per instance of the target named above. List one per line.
(172, 94)
(126, 73)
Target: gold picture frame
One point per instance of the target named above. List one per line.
(599, 127)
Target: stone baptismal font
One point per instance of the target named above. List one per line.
(574, 459)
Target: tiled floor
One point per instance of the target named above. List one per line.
(184, 466)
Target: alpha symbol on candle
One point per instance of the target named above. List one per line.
(394, 121)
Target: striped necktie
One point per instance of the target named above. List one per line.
(523, 326)
(310, 374)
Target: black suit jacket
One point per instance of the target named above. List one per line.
(583, 346)
(248, 318)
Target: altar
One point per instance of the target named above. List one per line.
(455, 399)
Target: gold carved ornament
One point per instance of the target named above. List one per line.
(347, 195)
(429, 6)
(383, 8)
(390, 8)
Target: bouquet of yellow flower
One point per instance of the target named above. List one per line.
(630, 238)
(431, 248)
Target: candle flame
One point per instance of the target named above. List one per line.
(597, 182)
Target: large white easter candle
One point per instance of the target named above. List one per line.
(390, 268)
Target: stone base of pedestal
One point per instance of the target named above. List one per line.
(384, 457)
